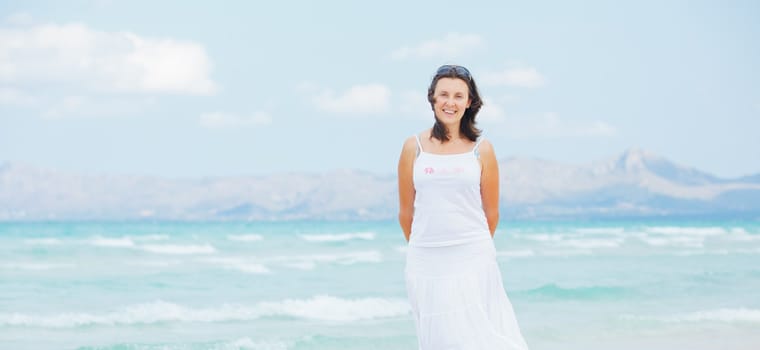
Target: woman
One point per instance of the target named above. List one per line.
(448, 181)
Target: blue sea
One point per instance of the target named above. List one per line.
(339, 285)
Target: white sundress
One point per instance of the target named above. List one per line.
(452, 277)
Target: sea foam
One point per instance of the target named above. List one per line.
(321, 308)
(308, 262)
(34, 266)
(591, 292)
(600, 230)
(324, 307)
(241, 265)
(43, 241)
(678, 241)
(516, 253)
(338, 237)
(245, 238)
(592, 243)
(738, 315)
(234, 344)
(542, 237)
(686, 231)
(111, 242)
(179, 248)
(153, 237)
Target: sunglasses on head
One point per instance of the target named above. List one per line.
(458, 70)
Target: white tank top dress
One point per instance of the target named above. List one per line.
(447, 203)
(453, 280)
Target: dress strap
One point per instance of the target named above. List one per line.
(476, 149)
(419, 145)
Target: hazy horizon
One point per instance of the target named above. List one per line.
(388, 172)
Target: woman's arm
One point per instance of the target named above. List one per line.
(406, 186)
(489, 184)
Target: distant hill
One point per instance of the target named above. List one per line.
(751, 178)
(634, 184)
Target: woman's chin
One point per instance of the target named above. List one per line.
(449, 119)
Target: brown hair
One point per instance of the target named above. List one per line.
(467, 124)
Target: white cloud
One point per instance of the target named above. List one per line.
(222, 120)
(307, 87)
(19, 18)
(359, 99)
(414, 103)
(549, 125)
(511, 99)
(84, 106)
(491, 111)
(522, 77)
(76, 55)
(10, 96)
(449, 47)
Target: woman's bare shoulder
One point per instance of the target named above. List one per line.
(410, 143)
(485, 146)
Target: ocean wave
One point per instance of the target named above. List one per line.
(327, 308)
(308, 262)
(179, 248)
(124, 242)
(684, 241)
(301, 262)
(701, 252)
(301, 265)
(235, 344)
(600, 230)
(542, 237)
(338, 237)
(240, 265)
(566, 252)
(320, 308)
(741, 234)
(245, 238)
(577, 240)
(739, 315)
(553, 291)
(247, 344)
(151, 238)
(34, 266)
(154, 263)
(516, 253)
(686, 231)
(592, 243)
(43, 241)
(734, 251)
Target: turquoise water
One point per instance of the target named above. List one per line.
(317, 285)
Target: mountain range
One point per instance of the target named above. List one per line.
(634, 184)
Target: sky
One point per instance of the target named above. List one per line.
(200, 89)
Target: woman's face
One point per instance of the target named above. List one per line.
(452, 98)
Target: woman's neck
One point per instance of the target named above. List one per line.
(453, 134)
